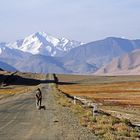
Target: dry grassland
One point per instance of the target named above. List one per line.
(112, 90)
(117, 93)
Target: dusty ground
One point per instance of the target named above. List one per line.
(19, 119)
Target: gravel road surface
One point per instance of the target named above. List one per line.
(20, 120)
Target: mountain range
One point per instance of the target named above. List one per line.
(45, 44)
(43, 53)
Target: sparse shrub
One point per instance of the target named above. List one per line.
(91, 126)
(64, 102)
(114, 120)
(88, 113)
(126, 121)
(99, 132)
(109, 136)
(103, 119)
(134, 134)
(108, 127)
(93, 119)
(84, 121)
(78, 110)
(123, 129)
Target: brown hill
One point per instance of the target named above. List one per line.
(128, 64)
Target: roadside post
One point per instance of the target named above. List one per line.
(95, 109)
(74, 101)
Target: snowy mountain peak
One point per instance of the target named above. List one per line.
(42, 37)
(45, 44)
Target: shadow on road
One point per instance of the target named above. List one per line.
(15, 79)
(18, 80)
(66, 83)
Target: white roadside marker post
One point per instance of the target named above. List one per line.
(74, 100)
(94, 109)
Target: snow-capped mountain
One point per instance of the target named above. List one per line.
(11, 53)
(45, 44)
(36, 53)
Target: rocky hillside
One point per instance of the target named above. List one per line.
(127, 64)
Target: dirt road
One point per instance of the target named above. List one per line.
(20, 120)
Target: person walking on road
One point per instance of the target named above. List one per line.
(55, 80)
(38, 98)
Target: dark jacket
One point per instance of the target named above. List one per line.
(39, 94)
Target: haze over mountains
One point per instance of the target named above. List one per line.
(43, 53)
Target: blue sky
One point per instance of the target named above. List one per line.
(83, 20)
